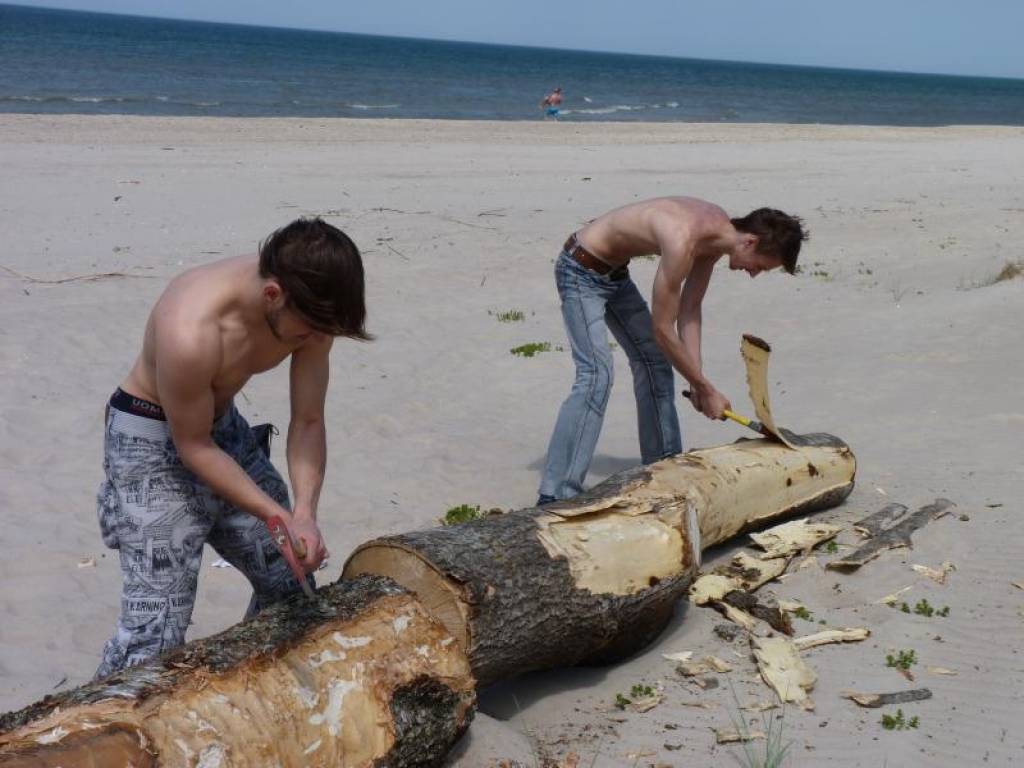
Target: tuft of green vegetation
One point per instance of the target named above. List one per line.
(803, 613)
(462, 514)
(531, 349)
(831, 547)
(511, 316)
(903, 660)
(898, 723)
(638, 691)
(926, 609)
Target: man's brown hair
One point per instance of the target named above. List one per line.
(320, 270)
(778, 234)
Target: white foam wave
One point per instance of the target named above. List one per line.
(619, 108)
(373, 106)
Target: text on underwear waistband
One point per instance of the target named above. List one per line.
(123, 401)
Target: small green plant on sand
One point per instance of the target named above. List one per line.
(924, 608)
(775, 748)
(638, 691)
(898, 723)
(802, 613)
(531, 349)
(462, 514)
(831, 547)
(511, 316)
(902, 660)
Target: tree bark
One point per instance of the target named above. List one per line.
(360, 676)
(596, 578)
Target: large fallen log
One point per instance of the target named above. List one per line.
(360, 676)
(596, 578)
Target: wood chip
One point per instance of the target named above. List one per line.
(1018, 584)
(780, 665)
(760, 706)
(680, 656)
(753, 572)
(731, 735)
(703, 667)
(793, 537)
(941, 671)
(894, 597)
(875, 700)
(711, 587)
(831, 636)
(938, 575)
(87, 562)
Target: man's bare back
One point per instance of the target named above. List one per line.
(641, 229)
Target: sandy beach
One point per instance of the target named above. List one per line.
(896, 336)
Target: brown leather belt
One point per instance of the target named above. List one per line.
(586, 258)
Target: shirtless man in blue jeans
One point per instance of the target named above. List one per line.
(597, 294)
(183, 467)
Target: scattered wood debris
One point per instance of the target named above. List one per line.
(780, 665)
(751, 572)
(793, 537)
(768, 612)
(875, 524)
(941, 671)
(732, 735)
(827, 636)
(703, 667)
(680, 656)
(87, 562)
(894, 597)
(875, 700)
(893, 537)
(938, 575)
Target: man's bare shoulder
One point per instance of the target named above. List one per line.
(187, 318)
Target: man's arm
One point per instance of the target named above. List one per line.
(186, 364)
(676, 316)
(307, 441)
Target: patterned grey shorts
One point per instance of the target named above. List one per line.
(158, 515)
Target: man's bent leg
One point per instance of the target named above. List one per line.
(240, 538)
(150, 511)
(581, 416)
(653, 380)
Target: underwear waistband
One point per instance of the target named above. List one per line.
(127, 403)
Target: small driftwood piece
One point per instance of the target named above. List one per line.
(875, 700)
(890, 538)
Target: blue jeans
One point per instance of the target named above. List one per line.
(591, 304)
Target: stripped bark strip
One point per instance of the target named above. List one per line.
(893, 538)
(872, 525)
(875, 700)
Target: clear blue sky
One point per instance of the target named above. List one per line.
(961, 37)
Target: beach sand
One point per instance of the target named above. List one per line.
(894, 337)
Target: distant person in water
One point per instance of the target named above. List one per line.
(598, 296)
(552, 104)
